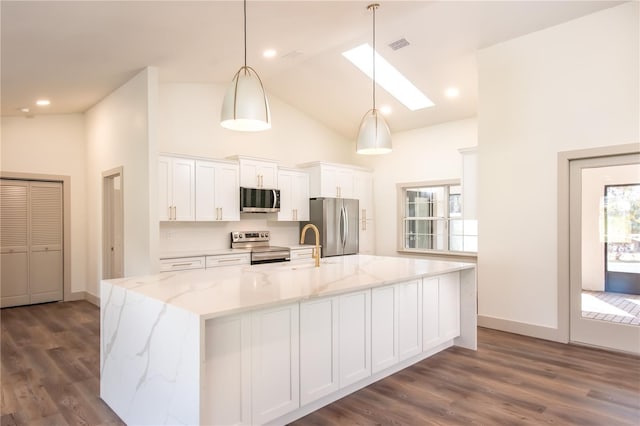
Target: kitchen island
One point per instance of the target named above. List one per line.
(267, 344)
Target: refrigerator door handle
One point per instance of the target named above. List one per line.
(346, 226)
(342, 226)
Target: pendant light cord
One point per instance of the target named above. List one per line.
(374, 56)
(245, 35)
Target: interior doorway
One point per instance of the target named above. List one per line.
(112, 224)
(602, 211)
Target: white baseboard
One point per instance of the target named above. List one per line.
(83, 295)
(531, 330)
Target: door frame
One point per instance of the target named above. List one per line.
(563, 228)
(67, 295)
(106, 223)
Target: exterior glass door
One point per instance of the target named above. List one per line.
(622, 238)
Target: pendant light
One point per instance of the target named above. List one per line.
(374, 136)
(245, 106)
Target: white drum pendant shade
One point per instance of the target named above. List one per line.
(245, 106)
(374, 136)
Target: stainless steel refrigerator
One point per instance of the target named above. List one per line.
(337, 220)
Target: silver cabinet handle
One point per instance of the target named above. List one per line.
(182, 264)
(220, 213)
(236, 259)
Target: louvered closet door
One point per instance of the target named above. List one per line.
(14, 260)
(45, 257)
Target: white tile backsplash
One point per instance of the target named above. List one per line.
(182, 236)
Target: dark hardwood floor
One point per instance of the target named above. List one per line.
(50, 371)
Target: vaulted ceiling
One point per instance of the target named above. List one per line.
(75, 53)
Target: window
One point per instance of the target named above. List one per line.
(432, 219)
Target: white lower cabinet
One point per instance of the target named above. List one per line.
(228, 260)
(409, 296)
(396, 324)
(319, 375)
(384, 327)
(354, 337)
(227, 377)
(182, 263)
(263, 365)
(275, 380)
(440, 309)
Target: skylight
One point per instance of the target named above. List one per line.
(388, 77)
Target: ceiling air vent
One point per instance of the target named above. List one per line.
(399, 44)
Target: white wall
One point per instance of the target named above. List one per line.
(569, 87)
(593, 183)
(53, 145)
(118, 134)
(189, 124)
(426, 154)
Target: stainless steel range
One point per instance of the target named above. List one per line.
(261, 251)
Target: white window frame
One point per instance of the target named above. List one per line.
(401, 195)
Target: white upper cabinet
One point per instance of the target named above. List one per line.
(294, 195)
(176, 189)
(217, 191)
(255, 173)
(330, 180)
(363, 191)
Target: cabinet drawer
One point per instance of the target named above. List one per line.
(181, 264)
(228, 260)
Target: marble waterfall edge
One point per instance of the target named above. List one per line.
(150, 368)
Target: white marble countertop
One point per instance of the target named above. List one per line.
(217, 292)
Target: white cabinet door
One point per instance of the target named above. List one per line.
(258, 173)
(227, 371)
(227, 192)
(269, 175)
(285, 184)
(176, 189)
(449, 300)
(363, 191)
(300, 191)
(275, 384)
(217, 191)
(184, 189)
(366, 237)
(336, 181)
(355, 337)
(318, 349)
(206, 209)
(294, 195)
(384, 328)
(440, 309)
(409, 319)
(430, 313)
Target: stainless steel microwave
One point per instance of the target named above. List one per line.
(256, 200)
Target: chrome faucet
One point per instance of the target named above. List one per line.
(316, 250)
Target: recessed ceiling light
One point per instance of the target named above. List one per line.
(269, 53)
(23, 109)
(388, 77)
(43, 102)
(385, 109)
(452, 92)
